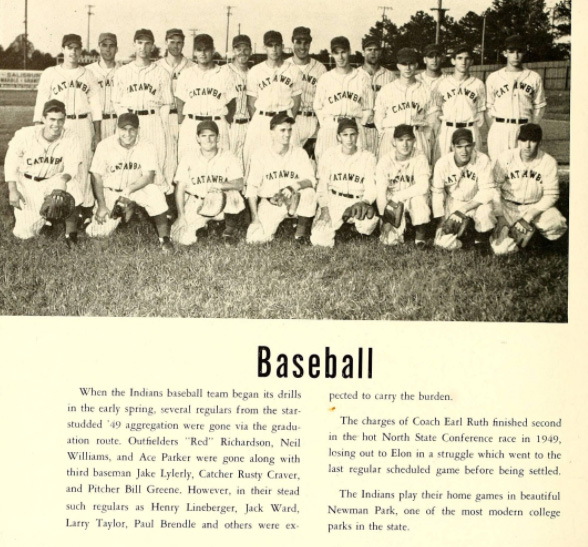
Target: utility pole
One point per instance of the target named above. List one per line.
(440, 16)
(239, 33)
(483, 38)
(193, 32)
(90, 13)
(227, 40)
(384, 9)
(26, 36)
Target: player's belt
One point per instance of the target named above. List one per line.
(173, 110)
(306, 114)
(512, 120)
(351, 196)
(142, 112)
(459, 125)
(370, 125)
(204, 118)
(32, 177)
(517, 202)
(241, 121)
(77, 116)
(109, 116)
(339, 118)
(266, 113)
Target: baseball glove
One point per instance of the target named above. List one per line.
(288, 197)
(521, 231)
(123, 208)
(393, 213)
(455, 224)
(359, 211)
(58, 205)
(213, 204)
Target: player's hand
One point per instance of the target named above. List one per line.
(94, 143)
(287, 192)
(16, 199)
(229, 118)
(102, 214)
(324, 218)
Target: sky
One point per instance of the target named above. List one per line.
(50, 20)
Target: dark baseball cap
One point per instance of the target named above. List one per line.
(144, 33)
(432, 49)
(174, 32)
(340, 41)
(107, 36)
(301, 32)
(462, 134)
(128, 118)
(406, 56)
(204, 40)
(347, 123)
(241, 39)
(370, 41)
(402, 130)
(515, 42)
(530, 132)
(272, 37)
(71, 39)
(207, 125)
(461, 48)
(280, 118)
(53, 106)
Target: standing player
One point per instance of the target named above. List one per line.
(144, 88)
(76, 87)
(204, 93)
(515, 96)
(273, 87)
(462, 99)
(346, 178)
(310, 72)
(529, 189)
(379, 76)
(103, 71)
(405, 101)
(125, 166)
(402, 183)
(280, 172)
(39, 160)
(207, 169)
(344, 92)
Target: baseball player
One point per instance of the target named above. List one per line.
(346, 176)
(144, 88)
(310, 72)
(204, 93)
(379, 76)
(528, 186)
(124, 165)
(273, 87)
(77, 88)
(402, 181)
(103, 71)
(282, 170)
(344, 92)
(405, 101)
(463, 185)
(514, 96)
(40, 159)
(462, 99)
(208, 169)
(173, 63)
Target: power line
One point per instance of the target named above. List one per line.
(440, 16)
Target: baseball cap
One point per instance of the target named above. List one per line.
(530, 132)
(406, 56)
(204, 40)
(107, 36)
(462, 134)
(145, 34)
(301, 32)
(402, 130)
(432, 49)
(128, 118)
(515, 42)
(370, 41)
(340, 41)
(241, 39)
(272, 37)
(71, 39)
(174, 32)
(280, 118)
(53, 106)
(207, 125)
(346, 123)
(461, 48)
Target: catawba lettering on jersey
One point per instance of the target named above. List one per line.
(328, 365)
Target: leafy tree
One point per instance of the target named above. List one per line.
(562, 19)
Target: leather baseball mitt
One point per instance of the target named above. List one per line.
(359, 211)
(393, 213)
(522, 232)
(123, 208)
(455, 224)
(58, 205)
(288, 197)
(213, 204)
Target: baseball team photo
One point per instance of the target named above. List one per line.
(274, 161)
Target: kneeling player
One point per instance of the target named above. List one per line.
(39, 160)
(528, 185)
(209, 181)
(463, 189)
(281, 183)
(347, 189)
(124, 172)
(402, 184)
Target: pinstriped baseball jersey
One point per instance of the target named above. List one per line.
(309, 77)
(380, 78)
(205, 92)
(461, 101)
(401, 180)
(141, 88)
(105, 78)
(514, 94)
(431, 83)
(239, 82)
(76, 88)
(274, 88)
(175, 71)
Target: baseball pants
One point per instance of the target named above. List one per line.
(84, 132)
(307, 127)
(371, 140)
(171, 158)
(108, 127)
(237, 135)
(501, 137)
(151, 128)
(419, 212)
(551, 224)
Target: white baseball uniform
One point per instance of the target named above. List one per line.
(274, 90)
(342, 96)
(512, 99)
(205, 94)
(78, 90)
(462, 106)
(306, 120)
(399, 104)
(344, 179)
(105, 78)
(144, 90)
(431, 133)
(31, 161)
(171, 159)
(202, 175)
(119, 167)
(270, 172)
(379, 79)
(238, 129)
